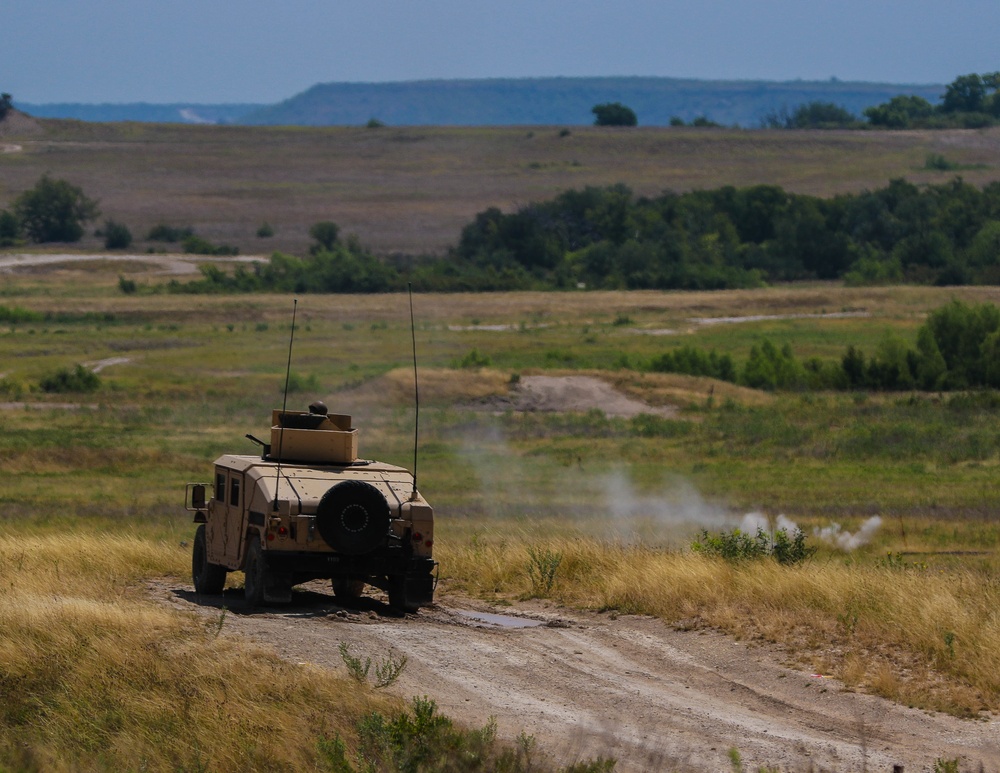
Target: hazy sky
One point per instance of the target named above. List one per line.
(264, 51)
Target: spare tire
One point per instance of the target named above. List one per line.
(353, 518)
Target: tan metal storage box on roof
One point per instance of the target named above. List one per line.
(310, 437)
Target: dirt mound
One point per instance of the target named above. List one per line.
(574, 394)
(16, 123)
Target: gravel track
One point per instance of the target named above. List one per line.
(586, 684)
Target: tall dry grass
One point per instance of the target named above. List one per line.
(93, 677)
(924, 637)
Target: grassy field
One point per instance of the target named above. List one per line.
(92, 483)
(911, 615)
(411, 190)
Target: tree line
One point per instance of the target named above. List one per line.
(969, 102)
(958, 347)
(608, 238)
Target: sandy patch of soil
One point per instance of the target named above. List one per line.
(769, 317)
(586, 684)
(10, 148)
(564, 394)
(165, 264)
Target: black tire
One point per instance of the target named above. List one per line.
(353, 518)
(398, 598)
(209, 579)
(347, 589)
(255, 573)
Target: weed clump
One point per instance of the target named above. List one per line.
(79, 379)
(737, 546)
(421, 739)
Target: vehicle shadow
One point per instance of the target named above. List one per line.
(305, 603)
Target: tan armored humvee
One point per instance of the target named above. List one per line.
(308, 508)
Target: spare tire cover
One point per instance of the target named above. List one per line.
(353, 517)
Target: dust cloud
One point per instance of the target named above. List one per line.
(608, 502)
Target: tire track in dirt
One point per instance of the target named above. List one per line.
(587, 684)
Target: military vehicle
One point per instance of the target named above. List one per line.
(308, 508)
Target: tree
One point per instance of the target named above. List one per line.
(902, 112)
(54, 211)
(965, 94)
(614, 114)
(820, 115)
(326, 234)
(6, 104)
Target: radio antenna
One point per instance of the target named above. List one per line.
(416, 392)
(284, 404)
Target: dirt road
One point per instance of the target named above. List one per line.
(586, 684)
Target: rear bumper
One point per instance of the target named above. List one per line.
(330, 565)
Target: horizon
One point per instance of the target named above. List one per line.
(487, 79)
(204, 52)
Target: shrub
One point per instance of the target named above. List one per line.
(265, 231)
(10, 229)
(326, 233)
(116, 235)
(196, 245)
(737, 546)
(16, 314)
(168, 233)
(474, 360)
(614, 114)
(299, 383)
(127, 286)
(79, 379)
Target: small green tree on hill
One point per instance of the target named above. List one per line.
(6, 104)
(614, 114)
(54, 211)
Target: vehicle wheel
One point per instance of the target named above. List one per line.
(398, 599)
(256, 575)
(209, 579)
(346, 589)
(353, 518)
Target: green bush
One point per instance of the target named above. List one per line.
(614, 114)
(326, 234)
(168, 233)
(736, 546)
(196, 245)
(265, 231)
(474, 360)
(117, 236)
(694, 362)
(10, 229)
(420, 739)
(77, 379)
(16, 315)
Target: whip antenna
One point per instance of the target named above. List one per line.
(416, 392)
(284, 404)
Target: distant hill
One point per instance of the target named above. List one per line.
(140, 111)
(557, 101)
(507, 102)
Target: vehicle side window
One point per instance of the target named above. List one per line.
(234, 492)
(220, 486)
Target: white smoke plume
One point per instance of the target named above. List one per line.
(845, 540)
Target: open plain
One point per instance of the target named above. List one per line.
(544, 435)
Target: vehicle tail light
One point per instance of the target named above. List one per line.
(417, 536)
